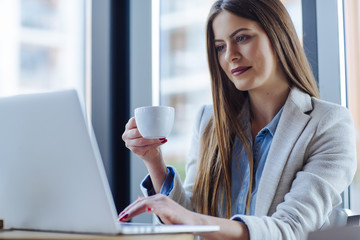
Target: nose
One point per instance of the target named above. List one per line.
(232, 54)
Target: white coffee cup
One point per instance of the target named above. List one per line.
(154, 121)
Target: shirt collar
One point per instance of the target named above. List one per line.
(273, 124)
(245, 118)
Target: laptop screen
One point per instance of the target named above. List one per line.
(51, 174)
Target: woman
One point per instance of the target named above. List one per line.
(267, 160)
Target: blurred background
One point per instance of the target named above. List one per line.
(58, 44)
(42, 45)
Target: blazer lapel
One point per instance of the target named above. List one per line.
(291, 124)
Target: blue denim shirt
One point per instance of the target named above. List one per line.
(240, 168)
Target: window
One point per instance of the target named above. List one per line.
(352, 42)
(184, 75)
(41, 45)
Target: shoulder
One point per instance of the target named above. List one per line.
(316, 117)
(203, 117)
(322, 105)
(314, 107)
(329, 111)
(332, 118)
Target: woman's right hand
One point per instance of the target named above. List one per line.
(148, 150)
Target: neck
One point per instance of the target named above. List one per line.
(266, 104)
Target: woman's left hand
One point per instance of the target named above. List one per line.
(169, 211)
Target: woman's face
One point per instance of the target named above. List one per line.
(245, 53)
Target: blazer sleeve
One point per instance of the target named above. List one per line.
(329, 167)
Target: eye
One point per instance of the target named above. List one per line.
(219, 48)
(241, 38)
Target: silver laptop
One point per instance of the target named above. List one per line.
(52, 177)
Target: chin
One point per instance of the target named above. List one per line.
(242, 87)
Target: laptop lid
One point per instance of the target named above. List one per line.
(51, 173)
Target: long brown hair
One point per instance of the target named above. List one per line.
(212, 188)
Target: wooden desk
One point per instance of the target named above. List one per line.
(32, 235)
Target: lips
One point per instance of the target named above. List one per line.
(239, 70)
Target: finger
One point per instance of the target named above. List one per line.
(123, 213)
(144, 151)
(134, 134)
(130, 205)
(142, 142)
(131, 123)
(169, 211)
(136, 208)
(159, 204)
(131, 134)
(140, 205)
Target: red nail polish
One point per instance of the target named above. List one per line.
(164, 141)
(124, 217)
(149, 209)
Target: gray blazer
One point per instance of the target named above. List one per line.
(311, 161)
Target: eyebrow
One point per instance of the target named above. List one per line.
(234, 33)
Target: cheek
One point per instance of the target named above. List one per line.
(256, 58)
(259, 57)
(250, 50)
(255, 53)
(266, 57)
(222, 62)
